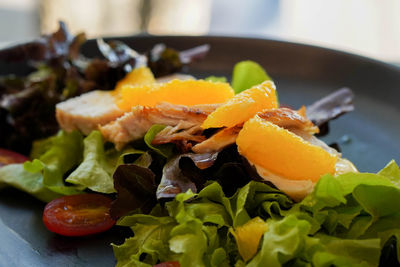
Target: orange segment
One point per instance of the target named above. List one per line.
(248, 237)
(137, 77)
(243, 106)
(282, 152)
(188, 92)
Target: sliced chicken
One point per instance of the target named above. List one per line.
(86, 112)
(134, 124)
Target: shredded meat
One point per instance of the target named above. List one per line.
(289, 119)
(183, 138)
(178, 133)
(134, 124)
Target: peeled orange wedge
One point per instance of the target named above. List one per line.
(248, 237)
(283, 152)
(137, 77)
(188, 92)
(243, 106)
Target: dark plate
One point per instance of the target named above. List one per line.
(369, 136)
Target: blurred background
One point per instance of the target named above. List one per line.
(367, 27)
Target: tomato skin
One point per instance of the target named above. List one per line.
(10, 157)
(168, 264)
(78, 215)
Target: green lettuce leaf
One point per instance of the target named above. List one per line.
(32, 183)
(284, 240)
(150, 240)
(219, 258)
(63, 152)
(130, 155)
(392, 172)
(288, 242)
(165, 150)
(39, 147)
(258, 199)
(247, 74)
(355, 206)
(215, 79)
(333, 251)
(95, 172)
(190, 241)
(202, 221)
(387, 229)
(208, 207)
(349, 220)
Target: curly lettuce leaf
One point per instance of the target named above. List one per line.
(202, 221)
(392, 172)
(150, 240)
(288, 242)
(284, 240)
(43, 177)
(32, 183)
(349, 220)
(189, 241)
(332, 251)
(64, 151)
(209, 206)
(258, 199)
(39, 147)
(355, 206)
(354, 196)
(95, 172)
(59, 155)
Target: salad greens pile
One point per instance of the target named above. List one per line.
(346, 221)
(210, 209)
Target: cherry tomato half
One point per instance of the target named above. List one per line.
(9, 157)
(78, 215)
(168, 264)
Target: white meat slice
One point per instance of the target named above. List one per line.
(86, 112)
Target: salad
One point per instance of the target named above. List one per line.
(205, 172)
